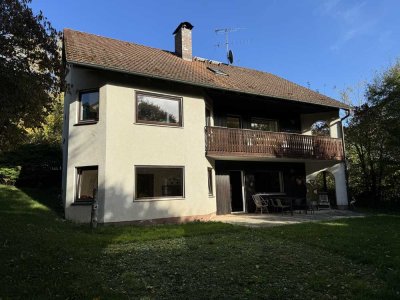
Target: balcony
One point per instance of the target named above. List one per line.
(222, 141)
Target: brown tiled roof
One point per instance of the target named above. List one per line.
(105, 53)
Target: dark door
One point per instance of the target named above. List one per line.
(223, 194)
(235, 178)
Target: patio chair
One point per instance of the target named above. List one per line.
(278, 205)
(261, 204)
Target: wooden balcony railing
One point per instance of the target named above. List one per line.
(222, 141)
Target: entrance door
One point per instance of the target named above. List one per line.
(235, 178)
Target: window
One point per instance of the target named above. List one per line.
(264, 124)
(233, 122)
(88, 106)
(217, 71)
(86, 185)
(210, 182)
(158, 109)
(159, 182)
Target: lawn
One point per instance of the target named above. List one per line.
(43, 256)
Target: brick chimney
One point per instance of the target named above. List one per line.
(183, 40)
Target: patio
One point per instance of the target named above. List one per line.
(277, 219)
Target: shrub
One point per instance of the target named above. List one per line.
(32, 165)
(9, 175)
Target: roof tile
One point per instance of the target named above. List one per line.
(92, 50)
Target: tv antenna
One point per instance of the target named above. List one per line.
(226, 31)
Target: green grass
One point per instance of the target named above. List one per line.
(42, 256)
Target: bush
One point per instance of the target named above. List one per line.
(9, 175)
(32, 165)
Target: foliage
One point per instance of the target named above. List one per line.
(50, 131)
(38, 164)
(320, 128)
(30, 69)
(9, 175)
(373, 141)
(42, 255)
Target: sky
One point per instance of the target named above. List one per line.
(326, 45)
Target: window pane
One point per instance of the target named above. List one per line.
(233, 122)
(156, 182)
(210, 182)
(154, 109)
(87, 183)
(264, 124)
(89, 102)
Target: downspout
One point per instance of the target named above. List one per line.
(346, 173)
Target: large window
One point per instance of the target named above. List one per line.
(264, 124)
(159, 182)
(88, 106)
(86, 184)
(158, 109)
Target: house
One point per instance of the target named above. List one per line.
(166, 136)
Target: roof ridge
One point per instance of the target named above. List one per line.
(114, 39)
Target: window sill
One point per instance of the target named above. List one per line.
(86, 123)
(158, 124)
(82, 203)
(158, 199)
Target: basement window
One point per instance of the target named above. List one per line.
(86, 184)
(217, 71)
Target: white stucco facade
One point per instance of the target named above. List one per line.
(116, 144)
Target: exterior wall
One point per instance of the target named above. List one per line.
(140, 144)
(84, 144)
(116, 145)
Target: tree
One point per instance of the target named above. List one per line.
(30, 69)
(50, 131)
(373, 140)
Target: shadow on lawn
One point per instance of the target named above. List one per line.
(49, 197)
(207, 260)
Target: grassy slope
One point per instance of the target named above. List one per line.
(42, 256)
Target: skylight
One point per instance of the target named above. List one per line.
(217, 71)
